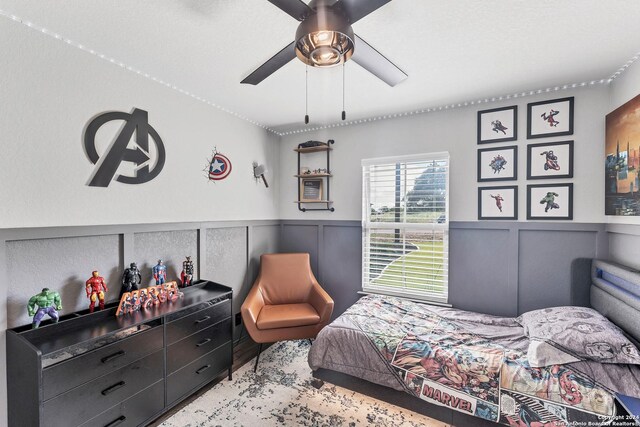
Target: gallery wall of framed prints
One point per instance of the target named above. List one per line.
(551, 160)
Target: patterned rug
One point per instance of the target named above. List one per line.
(281, 393)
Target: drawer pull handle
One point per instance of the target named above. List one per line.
(114, 356)
(204, 319)
(113, 388)
(203, 342)
(204, 368)
(116, 422)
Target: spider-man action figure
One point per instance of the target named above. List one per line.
(96, 287)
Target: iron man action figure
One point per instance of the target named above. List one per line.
(96, 287)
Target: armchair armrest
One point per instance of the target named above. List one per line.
(321, 301)
(251, 308)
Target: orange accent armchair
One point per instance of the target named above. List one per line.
(286, 302)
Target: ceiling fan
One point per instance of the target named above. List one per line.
(325, 38)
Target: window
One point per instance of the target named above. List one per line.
(405, 226)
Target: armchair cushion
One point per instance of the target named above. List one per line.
(286, 316)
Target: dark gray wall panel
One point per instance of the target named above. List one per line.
(264, 240)
(226, 257)
(301, 238)
(62, 264)
(478, 271)
(545, 265)
(170, 246)
(341, 265)
(625, 248)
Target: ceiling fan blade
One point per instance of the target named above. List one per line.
(374, 62)
(272, 65)
(355, 10)
(296, 8)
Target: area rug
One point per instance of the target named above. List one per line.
(282, 393)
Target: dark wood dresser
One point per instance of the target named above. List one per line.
(101, 370)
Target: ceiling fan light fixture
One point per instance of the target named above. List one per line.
(324, 40)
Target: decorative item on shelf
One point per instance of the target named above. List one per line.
(218, 166)
(147, 298)
(159, 272)
(313, 144)
(305, 171)
(550, 160)
(498, 125)
(320, 171)
(622, 160)
(550, 118)
(48, 302)
(259, 171)
(95, 288)
(131, 278)
(186, 276)
(498, 164)
(311, 190)
(498, 202)
(550, 201)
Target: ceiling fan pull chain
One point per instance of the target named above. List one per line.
(344, 114)
(306, 95)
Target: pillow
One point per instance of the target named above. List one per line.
(562, 335)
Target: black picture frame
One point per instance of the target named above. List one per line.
(530, 113)
(569, 215)
(530, 148)
(498, 188)
(512, 177)
(514, 112)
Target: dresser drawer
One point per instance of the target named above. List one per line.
(84, 402)
(197, 345)
(133, 411)
(198, 372)
(76, 371)
(185, 326)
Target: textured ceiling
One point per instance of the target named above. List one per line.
(452, 50)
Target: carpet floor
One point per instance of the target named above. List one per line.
(282, 393)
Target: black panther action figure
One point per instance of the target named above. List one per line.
(130, 279)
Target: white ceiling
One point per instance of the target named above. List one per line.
(452, 50)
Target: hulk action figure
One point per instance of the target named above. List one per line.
(48, 302)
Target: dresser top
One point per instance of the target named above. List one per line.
(79, 328)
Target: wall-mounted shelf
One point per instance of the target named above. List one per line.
(323, 179)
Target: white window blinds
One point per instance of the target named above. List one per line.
(406, 226)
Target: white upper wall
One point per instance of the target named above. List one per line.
(49, 94)
(453, 131)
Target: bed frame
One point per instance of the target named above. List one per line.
(614, 292)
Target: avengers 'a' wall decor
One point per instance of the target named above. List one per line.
(622, 160)
(550, 118)
(498, 125)
(550, 160)
(146, 163)
(550, 201)
(218, 166)
(498, 164)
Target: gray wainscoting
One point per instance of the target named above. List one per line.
(624, 244)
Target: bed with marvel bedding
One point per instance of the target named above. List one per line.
(549, 367)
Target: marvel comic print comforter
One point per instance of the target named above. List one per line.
(469, 362)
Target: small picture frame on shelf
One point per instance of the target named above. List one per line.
(498, 202)
(311, 189)
(498, 125)
(498, 164)
(550, 118)
(550, 160)
(550, 201)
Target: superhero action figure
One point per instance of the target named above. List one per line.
(550, 200)
(130, 279)
(186, 277)
(48, 302)
(498, 127)
(549, 118)
(96, 287)
(499, 200)
(551, 160)
(159, 272)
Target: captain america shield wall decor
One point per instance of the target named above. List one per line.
(218, 166)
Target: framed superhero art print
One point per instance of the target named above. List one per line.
(550, 201)
(498, 202)
(498, 125)
(550, 118)
(550, 160)
(498, 164)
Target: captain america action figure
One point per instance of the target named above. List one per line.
(159, 272)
